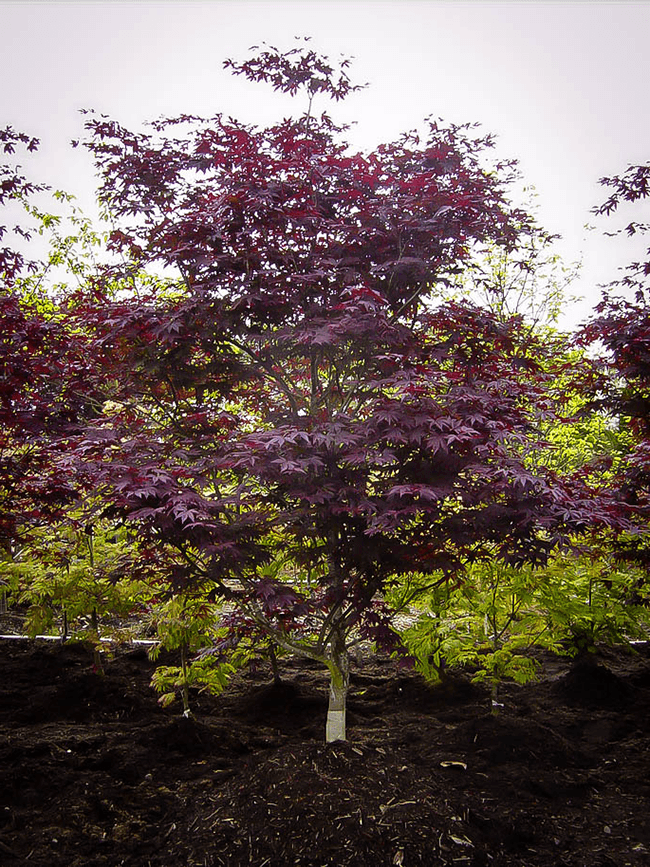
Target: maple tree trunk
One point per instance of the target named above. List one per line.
(97, 653)
(339, 667)
(185, 692)
(275, 668)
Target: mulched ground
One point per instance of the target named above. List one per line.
(94, 772)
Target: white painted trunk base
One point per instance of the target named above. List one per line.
(335, 727)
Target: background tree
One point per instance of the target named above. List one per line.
(621, 383)
(531, 280)
(49, 383)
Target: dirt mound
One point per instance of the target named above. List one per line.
(591, 684)
(501, 739)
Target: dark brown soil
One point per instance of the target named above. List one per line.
(94, 772)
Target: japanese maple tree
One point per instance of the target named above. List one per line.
(44, 383)
(298, 424)
(621, 386)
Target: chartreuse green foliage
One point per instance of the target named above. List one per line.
(80, 574)
(186, 622)
(503, 620)
(496, 613)
(584, 439)
(483, 622)
(593, 598)
(488, 620)
(595, 441)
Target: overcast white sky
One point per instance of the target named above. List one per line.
(564, 85)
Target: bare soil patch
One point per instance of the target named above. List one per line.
(94, 772)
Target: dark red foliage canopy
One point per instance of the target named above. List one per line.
(622, 328)
(297, 395)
